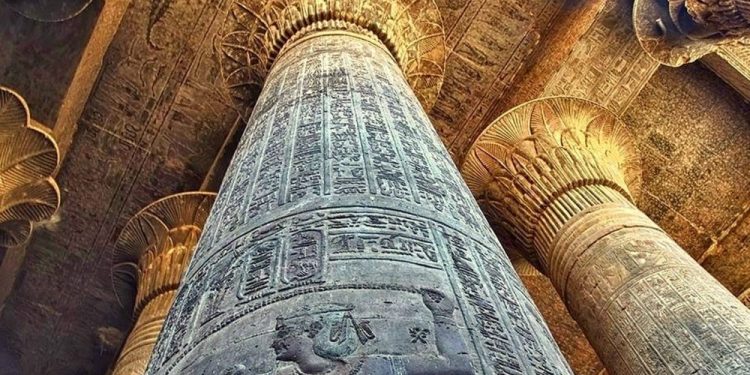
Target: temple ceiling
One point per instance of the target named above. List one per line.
(133, 93)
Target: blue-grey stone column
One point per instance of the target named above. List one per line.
(344, 241)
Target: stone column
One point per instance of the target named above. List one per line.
(150, 258)
(677, 32)
(559, 176)
(343, 240)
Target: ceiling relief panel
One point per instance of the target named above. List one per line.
(487, 46)
(38, 54)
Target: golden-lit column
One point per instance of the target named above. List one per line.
(29, 159)
(677, 32)
(559, 176)
(150, 258)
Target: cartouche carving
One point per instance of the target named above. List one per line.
(150, 257)
(677, 32)
(558, 174)
(256, 31)
(29, 159)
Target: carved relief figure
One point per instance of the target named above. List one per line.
(329, 340)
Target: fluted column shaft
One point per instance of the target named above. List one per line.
(558, 174)
(343, 240)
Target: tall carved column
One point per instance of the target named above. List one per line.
(343, 240)
(558, 174)
(150, 258)
(745, 297)
(677, 32)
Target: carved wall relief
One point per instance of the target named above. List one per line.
(343, 240)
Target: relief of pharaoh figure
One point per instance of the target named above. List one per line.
(329, 339)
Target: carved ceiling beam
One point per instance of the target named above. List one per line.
(149, 260)
(29, 159)
(677, 32)
(559, 175)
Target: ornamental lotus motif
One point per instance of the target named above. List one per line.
(29, 159)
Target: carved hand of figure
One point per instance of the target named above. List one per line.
(437, 302)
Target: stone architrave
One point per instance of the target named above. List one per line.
(149, 260)
(677, 32)
(558, 175)
(343, 240)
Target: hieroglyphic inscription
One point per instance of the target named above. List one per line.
(358, 228)
(652, 308)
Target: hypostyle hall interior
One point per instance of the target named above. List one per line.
(374, 187)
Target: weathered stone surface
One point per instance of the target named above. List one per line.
(697, 168)
(343, 240)
(49, 10)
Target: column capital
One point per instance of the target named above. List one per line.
(677, 32)
(745, 297)
(29, 159)
(532, 162)
(255, 32)
(156, 245)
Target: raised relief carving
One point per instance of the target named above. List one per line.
(325, 339)
(28, 161)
